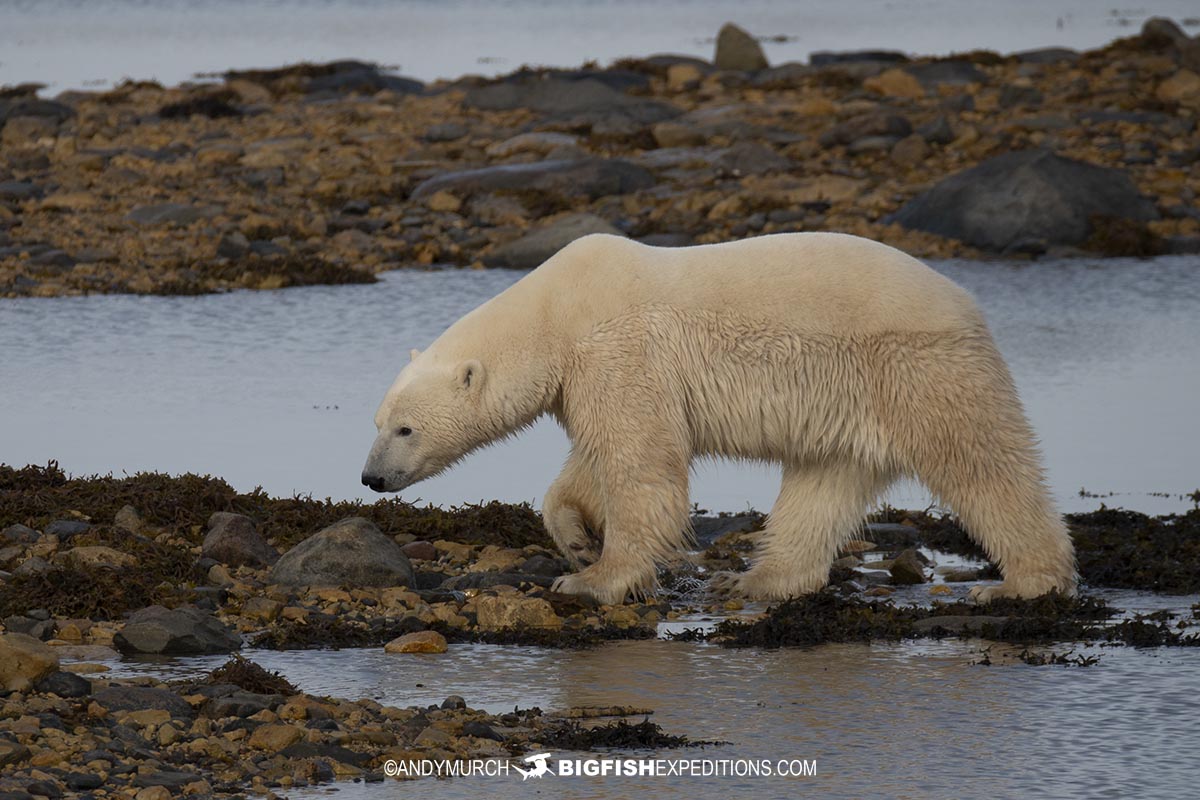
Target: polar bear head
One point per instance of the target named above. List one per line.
(432, 416)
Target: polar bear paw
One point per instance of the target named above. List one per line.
(1025, 588)
(765, 583)
(727, 583)
(584, 584)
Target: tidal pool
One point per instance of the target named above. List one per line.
(883, 720)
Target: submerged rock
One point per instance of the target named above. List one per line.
(417, 642)
(176, 632)
(1025, 199)
(352, 552)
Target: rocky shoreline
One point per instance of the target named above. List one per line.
(334, 173)
(178, 566)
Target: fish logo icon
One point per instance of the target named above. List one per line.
(539, 766)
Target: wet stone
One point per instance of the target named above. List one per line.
(175, 631)
(140, 698)
(83, 781)
(64, 684)
(481, 730)
(66, 529)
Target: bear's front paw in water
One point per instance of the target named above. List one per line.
(593, 583)
(1025, 588)
(765, 583)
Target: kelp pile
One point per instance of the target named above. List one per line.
(826, 617)
(181, 506)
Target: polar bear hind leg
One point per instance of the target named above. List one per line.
(961, 431)
(819, 507)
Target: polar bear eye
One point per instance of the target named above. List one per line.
(406, 431)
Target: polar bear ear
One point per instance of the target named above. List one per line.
(412, 354)
(470, 374)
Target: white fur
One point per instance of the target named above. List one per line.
(845, 360)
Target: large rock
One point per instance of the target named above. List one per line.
(175, 632)
(738, 50)
(514, 611)
(143, 698)
(1025, 198)
(586, 102)
(907, 569)
(417, 642)
(352, 552)
(590, 177)
(24, 661)
(542, 242)
(98, 556)
(233, 540)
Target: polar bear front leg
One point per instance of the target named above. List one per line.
(646, 514)
(572, 513)
(818, 508)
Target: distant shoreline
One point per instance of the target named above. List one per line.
(332, 173)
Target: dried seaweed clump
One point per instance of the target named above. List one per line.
(247, 675)
(645, 735)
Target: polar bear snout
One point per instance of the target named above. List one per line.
(373, 482)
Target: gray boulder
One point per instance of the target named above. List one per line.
(907, 569)
(738, 50)
(233, 540)
(177, 631)
(143, 698)
(591, 177)
(586, 101)
(1023, 200)
(352, 552)
(539, 244)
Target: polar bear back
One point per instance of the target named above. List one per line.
(810, 282)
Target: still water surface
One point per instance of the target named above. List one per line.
(280, 388)
(72, 44)
(905, 720)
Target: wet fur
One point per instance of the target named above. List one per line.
(845, 361)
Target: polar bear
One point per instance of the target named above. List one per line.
(845, 360)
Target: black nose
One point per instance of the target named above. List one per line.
(372, 482)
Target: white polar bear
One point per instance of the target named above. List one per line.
(847, 361)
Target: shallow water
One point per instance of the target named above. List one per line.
(280, 388)
(897, 720)
(95, 43)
